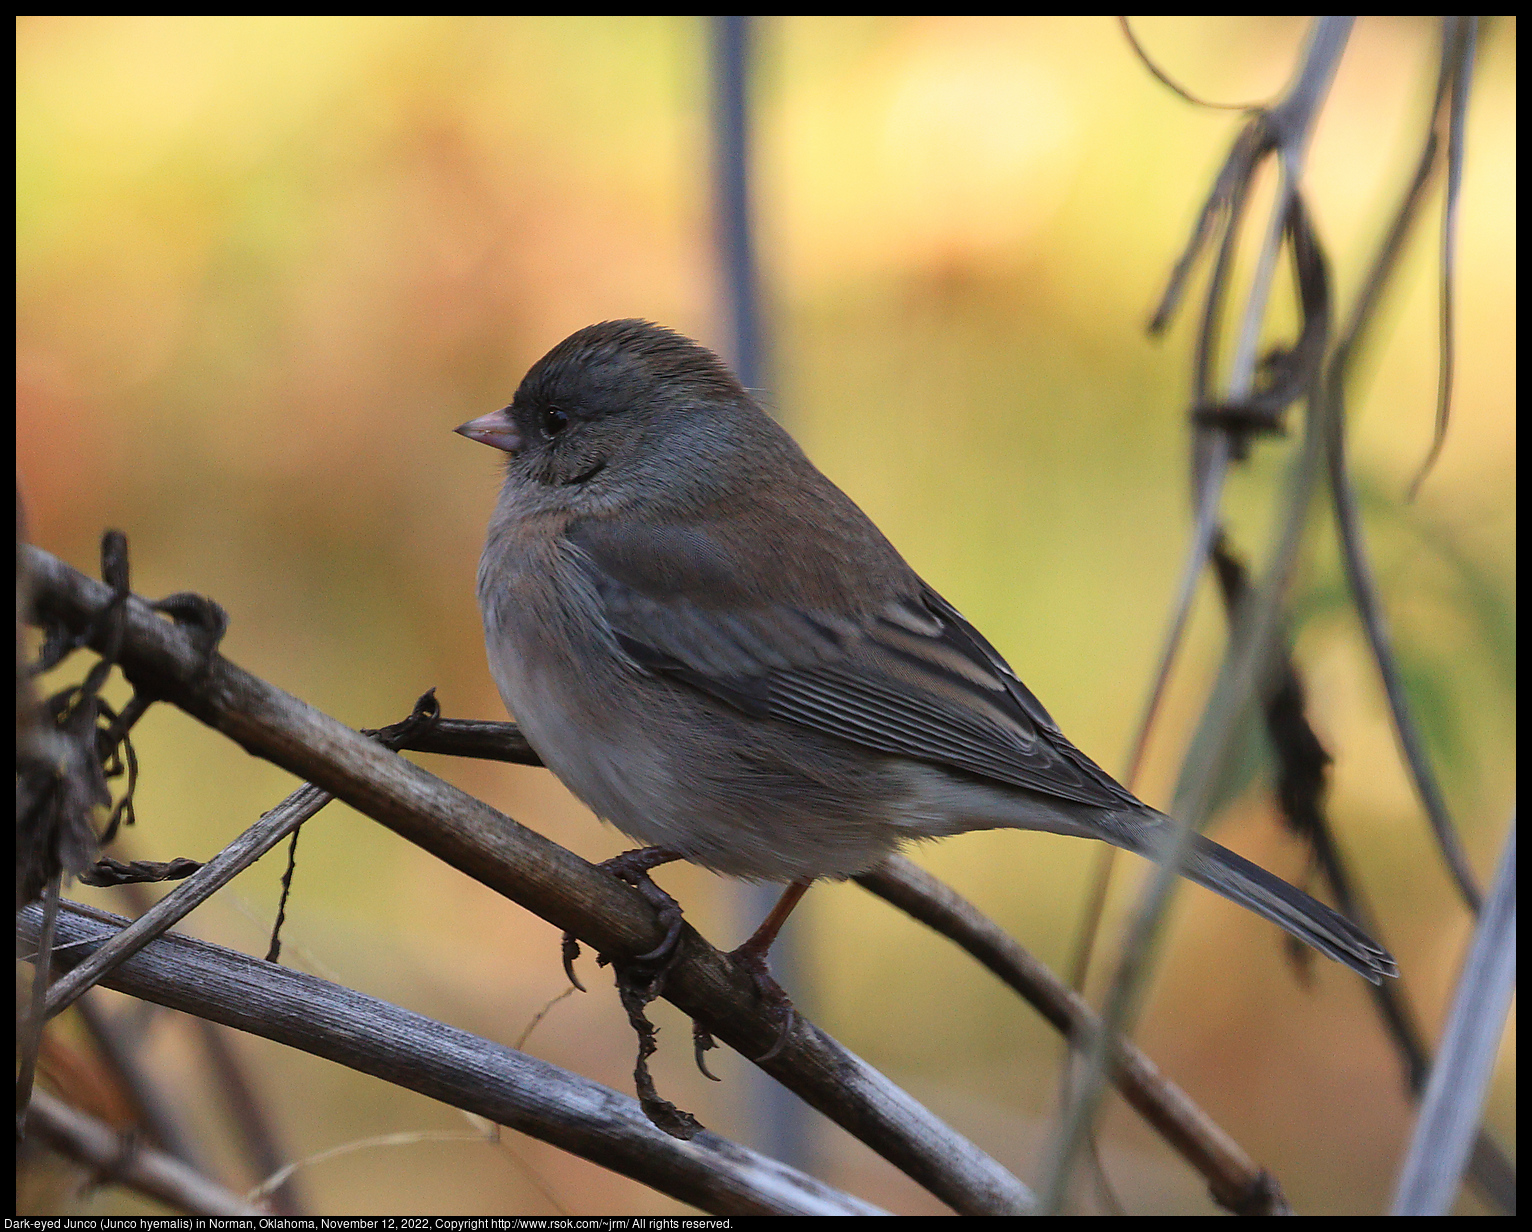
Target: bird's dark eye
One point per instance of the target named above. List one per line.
(554, 421)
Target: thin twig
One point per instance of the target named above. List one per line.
(482, 739)
(1212, 449)
(1458, 39)
(1210, 463)
(283, 1176)
(274, 948)
(239, 855)
(1165, 78)
(1348, 523)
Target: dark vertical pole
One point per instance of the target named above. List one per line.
(731, 175)
(780, 1123)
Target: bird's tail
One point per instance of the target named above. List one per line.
(1250, 885)
(976, 804)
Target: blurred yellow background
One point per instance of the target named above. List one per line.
(267, 263)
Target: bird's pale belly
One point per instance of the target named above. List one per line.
(759, 819)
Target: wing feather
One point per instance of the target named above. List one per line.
(914, 680)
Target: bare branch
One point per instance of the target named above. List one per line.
(151, 1172)
(402, 1047)
(1236, 1181)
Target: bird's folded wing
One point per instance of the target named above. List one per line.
(913, 678)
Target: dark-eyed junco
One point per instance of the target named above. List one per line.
(719, 653)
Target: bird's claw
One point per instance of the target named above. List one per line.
(633, 867)
(571, 952)
(772, 995)
(702, 1044)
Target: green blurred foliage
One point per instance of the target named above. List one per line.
(266, 263)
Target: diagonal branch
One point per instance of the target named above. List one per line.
(151, 1172)
(1236, 1181)
(402, 1047)
(190, 894)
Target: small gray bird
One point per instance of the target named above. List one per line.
(721, 655)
